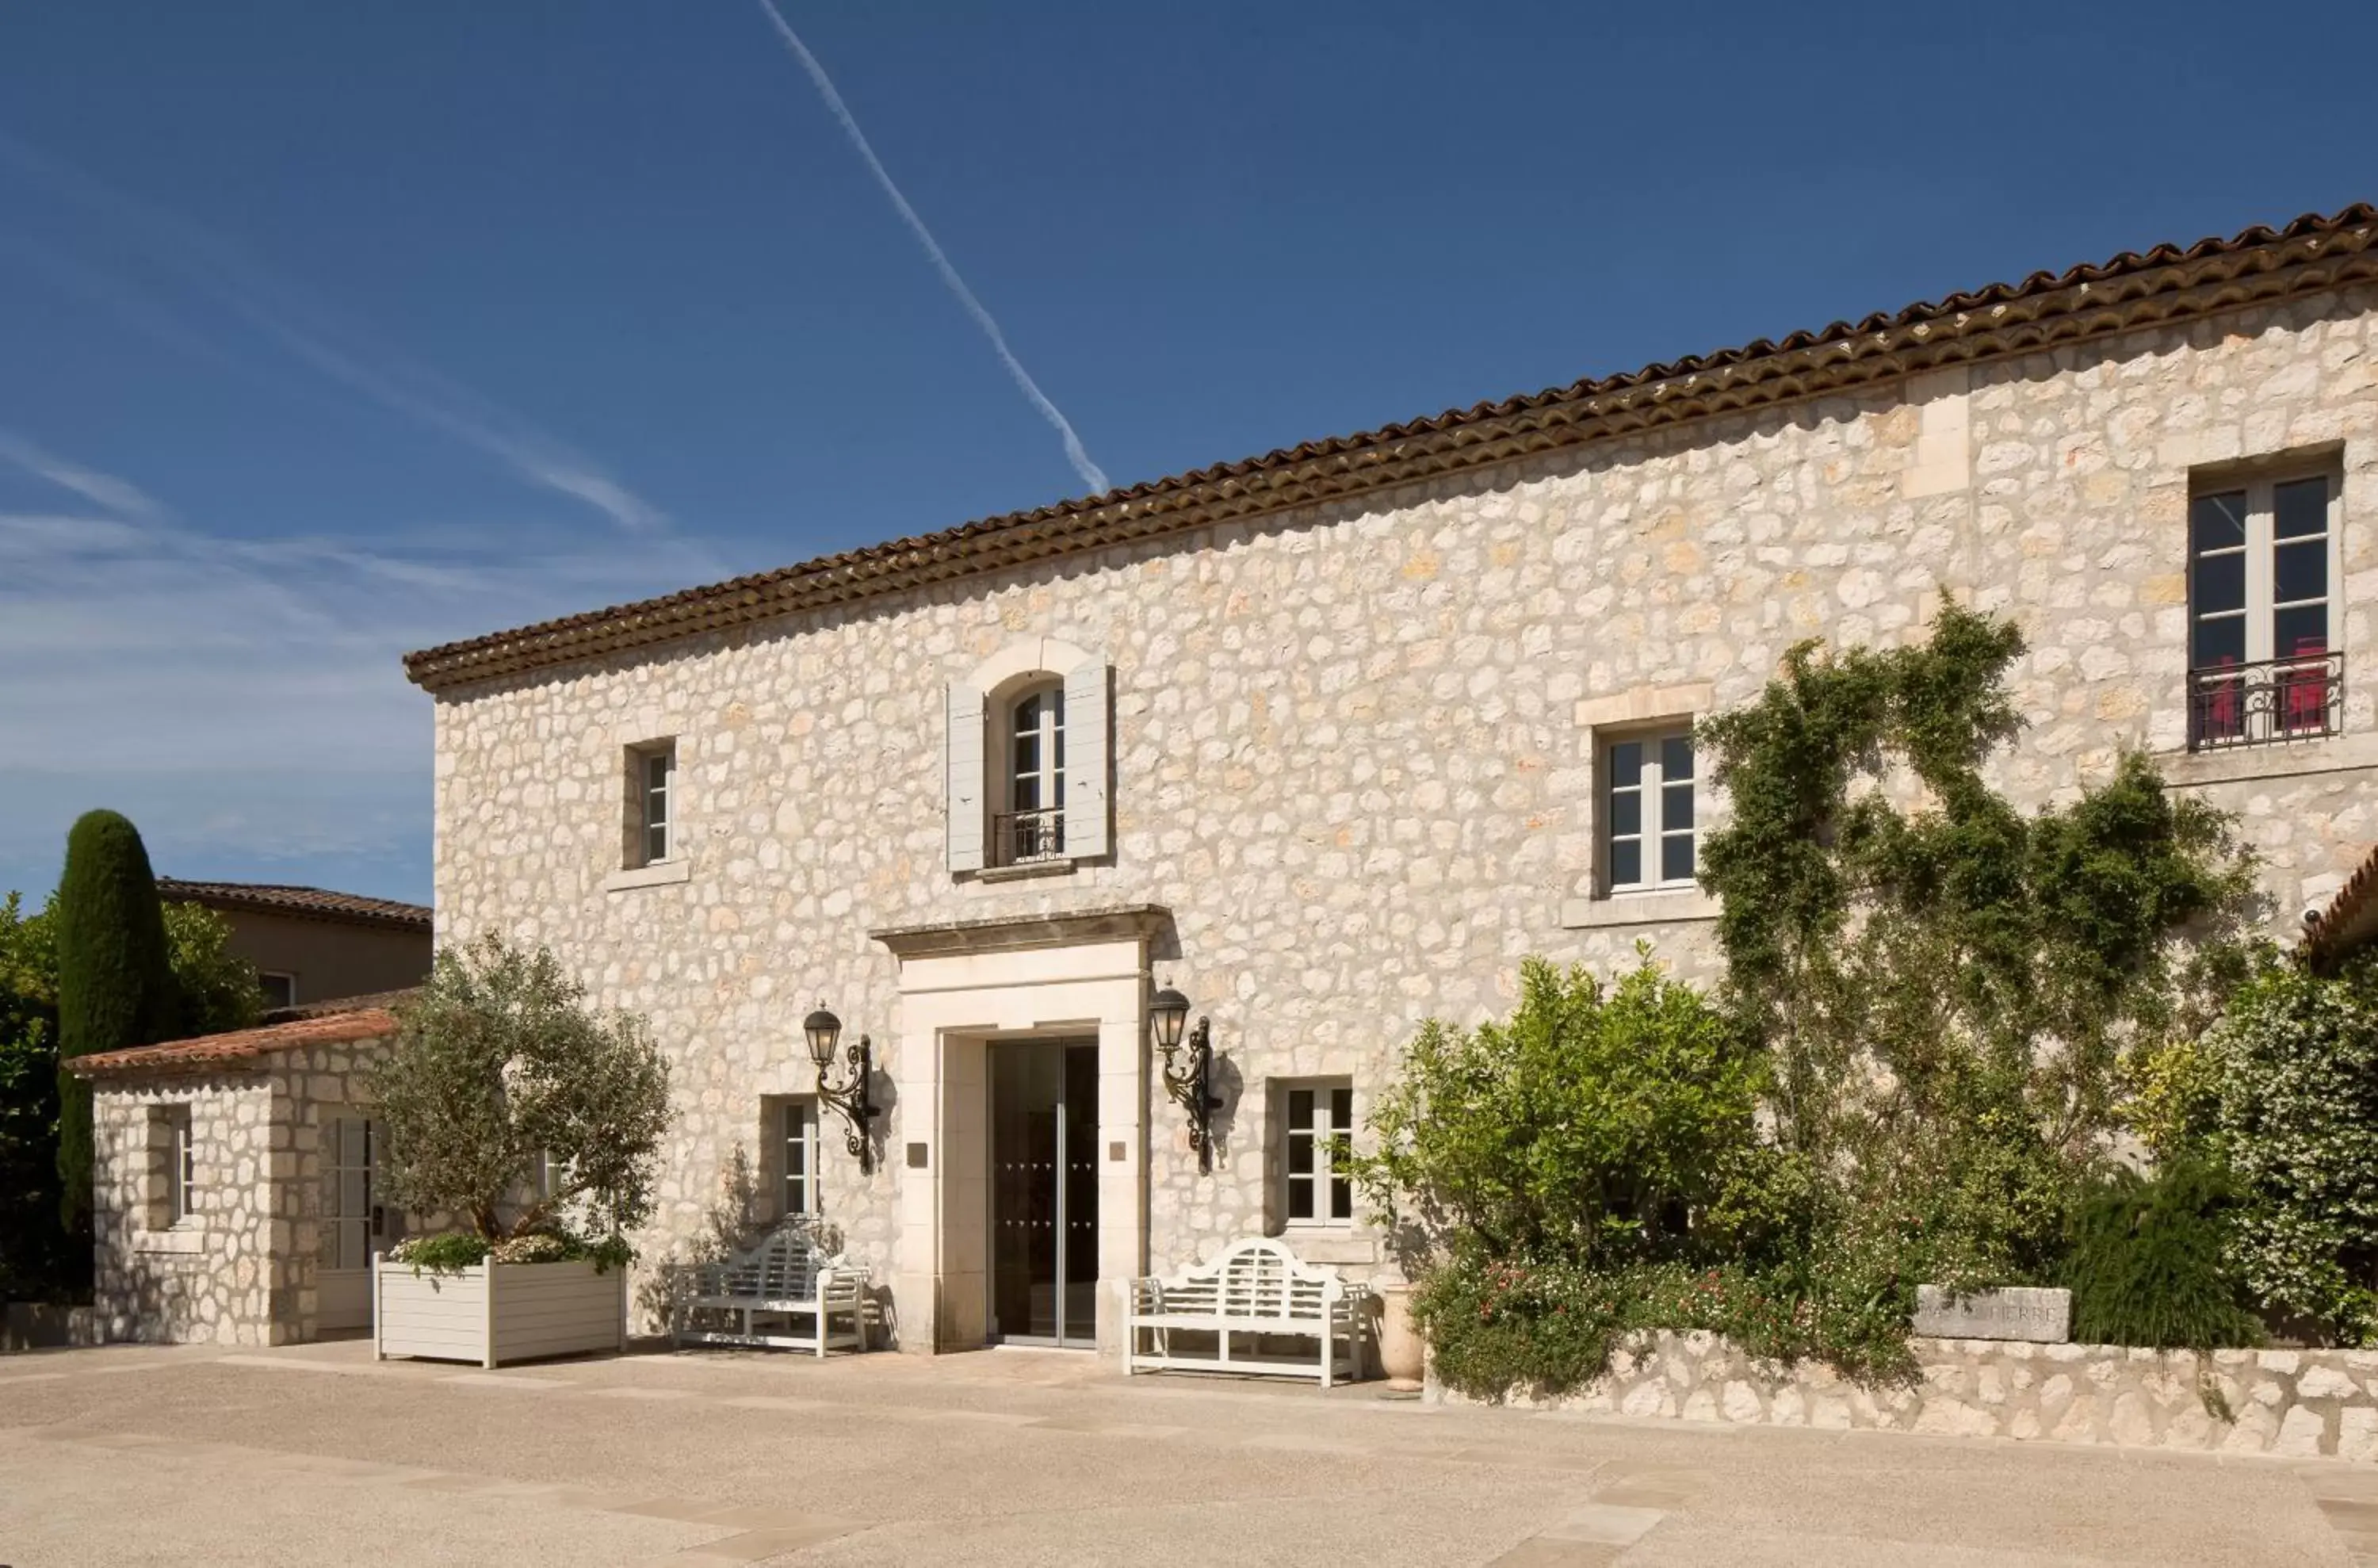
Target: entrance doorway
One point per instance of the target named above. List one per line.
(356, 1221)
(1044, 1191)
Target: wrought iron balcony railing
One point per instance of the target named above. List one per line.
(2257, 705)
(1020, 838)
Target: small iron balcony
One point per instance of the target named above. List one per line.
(2260, 703)
(1021, 837)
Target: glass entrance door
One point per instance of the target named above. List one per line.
(1044, 1191)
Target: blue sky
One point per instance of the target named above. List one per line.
(329, 332)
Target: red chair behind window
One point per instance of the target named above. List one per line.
(2303, 687)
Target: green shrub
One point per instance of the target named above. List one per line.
(451, 1251)
(2295, 1120)
(2145, 1263)
(1588, 1128)
(115, 979)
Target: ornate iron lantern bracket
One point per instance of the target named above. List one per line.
(852, 1098)
(1189, 1086)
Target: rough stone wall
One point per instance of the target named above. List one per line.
(2293, 1403)
(212, 1277)
(240, 1271)
(1348, 753)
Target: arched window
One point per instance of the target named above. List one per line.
(1033, 826)
(1027, 758)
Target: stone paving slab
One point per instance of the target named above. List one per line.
(994, 1459)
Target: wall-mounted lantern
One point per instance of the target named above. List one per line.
(1190, 1086)
(823, 1029)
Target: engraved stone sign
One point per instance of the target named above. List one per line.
(2014, 1313)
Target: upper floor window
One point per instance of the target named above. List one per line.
(280, 989)
(652, 798)
(2263, 663)
(1033, 826)
(1648, 832)
(1319, 1119)
(1028, 759)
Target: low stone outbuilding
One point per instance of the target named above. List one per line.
(234, 1200)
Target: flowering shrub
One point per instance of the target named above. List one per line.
(2294, 1117)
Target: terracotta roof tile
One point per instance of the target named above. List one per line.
(312, 902)
(386, 1001)
(240, 1045)
(2045, 311)
(2347, 922)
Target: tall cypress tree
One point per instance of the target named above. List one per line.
(115, 980)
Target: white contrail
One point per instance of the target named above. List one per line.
(1091, 473)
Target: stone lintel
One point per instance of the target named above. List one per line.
(1059, 928)
(1643, 704)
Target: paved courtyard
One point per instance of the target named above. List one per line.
(319, 1454)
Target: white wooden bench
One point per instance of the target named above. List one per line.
(782, 1275)
(1252, 1289)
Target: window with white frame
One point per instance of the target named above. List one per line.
(1316, 1120)
(280, 989)
(651, 801)
(796, 1157)
(1032, 827)
(1648, 811)
(173, 1150)
(1028, 759)
(2263, 662)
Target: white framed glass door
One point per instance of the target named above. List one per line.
(356, 1221)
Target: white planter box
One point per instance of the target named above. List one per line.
(495, 1313)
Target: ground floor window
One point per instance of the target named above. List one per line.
(792, 1131)
(173, 1167)
(1316, 1119)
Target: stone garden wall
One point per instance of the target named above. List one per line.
(2294, 1402)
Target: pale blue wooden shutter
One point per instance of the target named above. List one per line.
(1090, 814)
(963, 759)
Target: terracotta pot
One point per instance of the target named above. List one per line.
(1402, 1350)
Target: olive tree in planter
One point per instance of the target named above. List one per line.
(532, 1124)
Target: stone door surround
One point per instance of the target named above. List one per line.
(963, 984)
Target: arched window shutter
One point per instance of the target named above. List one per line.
(1089, 814)
(963, 767)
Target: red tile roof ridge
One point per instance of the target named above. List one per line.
(289, 899)
(2168, 282)
(241, 1045)
(2347, 922)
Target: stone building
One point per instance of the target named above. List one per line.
(232, 1175)
(1331, 738)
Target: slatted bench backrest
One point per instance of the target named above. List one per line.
(1254, 1279)
(783, 1267)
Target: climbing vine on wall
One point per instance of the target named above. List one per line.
(1949, 987)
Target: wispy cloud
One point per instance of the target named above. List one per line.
(303, 327)
(1091, 473)
(241, 694)
(102, 489)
